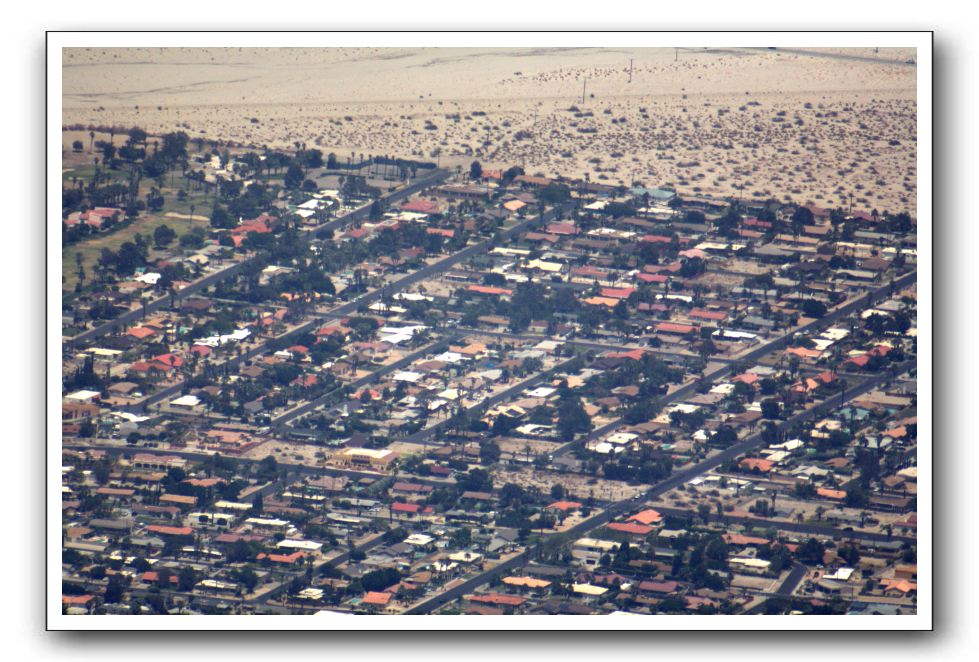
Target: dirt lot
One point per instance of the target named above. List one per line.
(577, 487)
(284, 451)
(518, 447)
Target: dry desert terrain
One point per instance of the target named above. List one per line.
(832, 126)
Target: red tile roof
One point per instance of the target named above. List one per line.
(670, 327)
(648, 516)
(376, 598)
(498, 599)
(170, 530)
(617, 292)
(486, 289)
(634, 529)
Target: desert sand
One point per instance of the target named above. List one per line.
(803, 126)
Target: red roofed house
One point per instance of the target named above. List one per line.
(647, 517)
(286, 559)
(617, 292)
(652, 278)
(376, 599)
(140, 332)
(757, 464)
(498, 599)
(709, 315)
(632, 529)
(486, 289)
(678, 329)
(634, 354)
(170, 530)
(563, 228)
(421, 206)
(406, 508)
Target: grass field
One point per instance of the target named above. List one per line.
(80, 165)
(145, 224)
(92, 248)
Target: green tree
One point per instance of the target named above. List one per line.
(294, 176)
(163, 235)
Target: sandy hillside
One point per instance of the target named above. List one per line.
(810, 126)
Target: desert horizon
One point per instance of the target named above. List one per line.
(753, 123)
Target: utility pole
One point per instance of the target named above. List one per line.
(676, 54)
(584, 84)
(630, 70)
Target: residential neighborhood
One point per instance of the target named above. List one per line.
(380, 385)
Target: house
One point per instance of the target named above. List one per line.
(589, 551)
(756, 464)
(378, 459)
(648, 517)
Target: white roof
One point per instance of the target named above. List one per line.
(597, 543)
(396, 338)
(751, 562)
(541, 392)
(465, 556)
(305, 545)
(835, 333)
(129, 416)
(531, 428)
(263, 521)
(790, 445)
(621, 437)
(605, 448)
(841, 574)
(449, 357)
(588, 589)
(411, 296)
(150, 277)
(727, 333)
(215, 341)
(544, 266)
(376, 453)
(407, 376)
(777, 456)
(401, 329)
(102, 351)
(82, 395)
(186, 401)
(419, 539)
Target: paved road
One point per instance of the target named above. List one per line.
(125, 319)
(786, 590)
(675, 480)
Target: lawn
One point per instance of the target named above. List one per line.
(145, 224)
